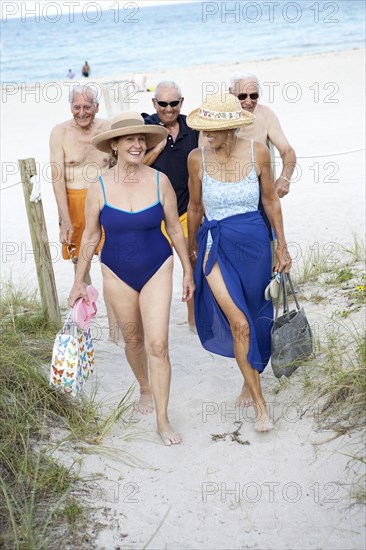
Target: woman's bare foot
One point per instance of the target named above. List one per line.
(145, 404)
(245, 399)
(262, 422)
(168, 435)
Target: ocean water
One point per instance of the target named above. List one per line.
(125, 38)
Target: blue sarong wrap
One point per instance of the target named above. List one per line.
(242, 249)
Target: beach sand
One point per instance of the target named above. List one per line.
(283, 490)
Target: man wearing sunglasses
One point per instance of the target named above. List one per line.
(265, 127)
(170, 156)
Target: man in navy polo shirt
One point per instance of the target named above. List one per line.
(170, 156)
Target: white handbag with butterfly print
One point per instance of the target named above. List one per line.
(72, 358)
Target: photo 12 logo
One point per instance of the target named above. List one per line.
(255, 12)
(116, 92)
(51, 12)
(270, 491)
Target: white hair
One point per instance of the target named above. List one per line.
(86, 90)
(243, 76)
(167, 84)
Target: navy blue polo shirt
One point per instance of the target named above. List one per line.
(172, 161)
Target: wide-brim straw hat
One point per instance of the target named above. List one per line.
(219, 112)
(126, 124)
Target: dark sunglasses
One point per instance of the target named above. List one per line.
(166, 103)
(241, 97)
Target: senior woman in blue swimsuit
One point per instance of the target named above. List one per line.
(231, 249)
(130, 201)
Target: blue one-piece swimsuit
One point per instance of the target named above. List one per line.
(134, 247)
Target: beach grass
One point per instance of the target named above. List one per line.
(316, 260)
(336, 377)
(343, 363)
(356, 249)
(36, 490)
(331, 282)
(330, 260)
(340, 342)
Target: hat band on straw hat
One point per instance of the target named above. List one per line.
(129, 123)
(126, 123)
(219, 112)
(217, 115)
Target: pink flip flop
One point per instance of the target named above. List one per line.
(82, 312)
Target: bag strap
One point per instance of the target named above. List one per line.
(280, 297)
(283, 295)
(69, 326)
(292, 290)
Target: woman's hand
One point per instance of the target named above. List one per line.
(188, 286)
(77, 291)
(283, 259)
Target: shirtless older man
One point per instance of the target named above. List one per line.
(75, 165)
(245, 87)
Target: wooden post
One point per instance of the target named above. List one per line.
(41, 249)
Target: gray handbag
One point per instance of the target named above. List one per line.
(292, 339)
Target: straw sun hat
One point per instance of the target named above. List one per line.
(126, 124)
(219, 112)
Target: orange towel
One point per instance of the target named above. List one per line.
(76, 203)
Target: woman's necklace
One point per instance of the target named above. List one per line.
(230, 155)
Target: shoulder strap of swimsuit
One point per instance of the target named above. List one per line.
(203, 159)
(158, 184)
(102, 184)
(252, 153)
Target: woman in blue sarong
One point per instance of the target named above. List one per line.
(231, 249)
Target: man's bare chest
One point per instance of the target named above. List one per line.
(257, 131)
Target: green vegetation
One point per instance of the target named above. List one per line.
(330, 258)
(357, 249)
(336, 379)
(35, 490)
(340, 275)
(343, 362)
(316, 261)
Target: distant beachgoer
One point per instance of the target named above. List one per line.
(245, 87)
(75, 164)
(85, 69)
(170, 155)
(70, 74)
(231, 249)
(130, 201)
